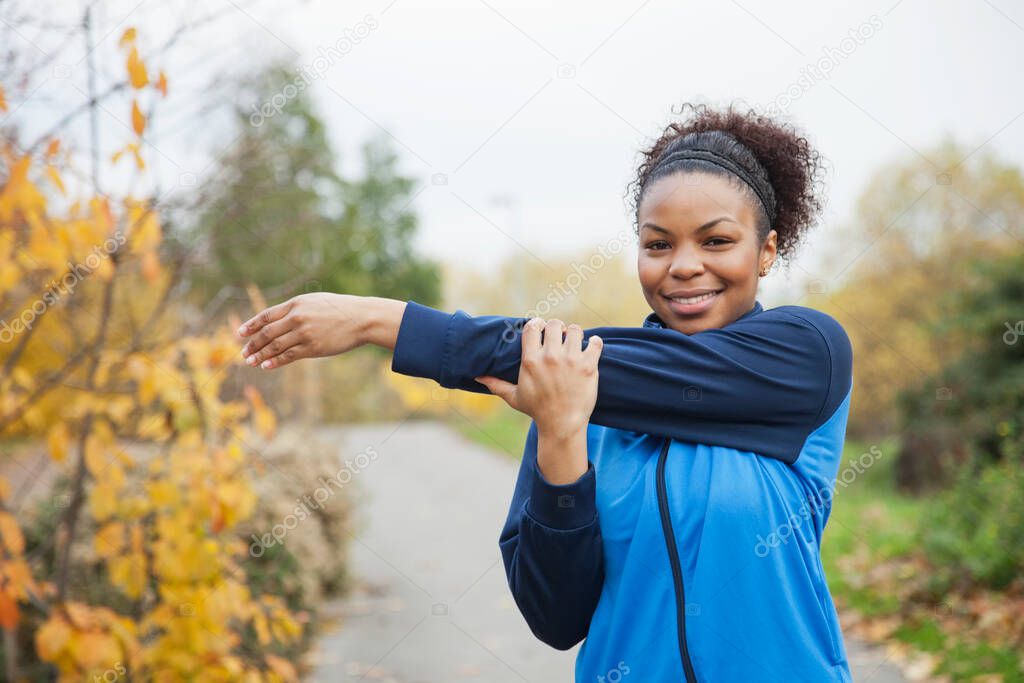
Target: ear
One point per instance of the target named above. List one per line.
(769, 250)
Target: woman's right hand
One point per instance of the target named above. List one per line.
(557, 379)
(558, 389)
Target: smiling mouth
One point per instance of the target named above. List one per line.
(690, 300)
(692, 305)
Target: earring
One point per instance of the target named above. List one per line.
(764, 271)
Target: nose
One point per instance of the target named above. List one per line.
(686, 263)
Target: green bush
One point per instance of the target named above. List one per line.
(974, 533)
(973, 409)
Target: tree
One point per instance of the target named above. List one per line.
(285, 220)
(914, 235)
(970, 412)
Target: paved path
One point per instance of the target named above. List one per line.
(431, 602)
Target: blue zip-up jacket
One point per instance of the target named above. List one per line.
(690, 549)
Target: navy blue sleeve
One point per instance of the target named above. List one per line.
(551, 547)
(760, 384)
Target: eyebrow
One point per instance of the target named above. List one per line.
(710, 224)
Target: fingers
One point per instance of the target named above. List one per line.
(267, 336)
(289, 355)
(593, 351)
(531, 333)
(553, 336)
(552, 341)
(276, 347)
(574, 337)
(574, 345)
(531, 339)
(264, 317)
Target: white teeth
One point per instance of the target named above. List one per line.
(693, 299)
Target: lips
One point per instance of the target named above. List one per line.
(693, 298)
(692, 302)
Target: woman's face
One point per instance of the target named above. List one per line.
(698, 244)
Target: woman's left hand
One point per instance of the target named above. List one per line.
(557, 379)
(306, 326)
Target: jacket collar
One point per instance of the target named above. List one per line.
(652, 320)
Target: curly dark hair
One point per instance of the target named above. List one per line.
(779, 158)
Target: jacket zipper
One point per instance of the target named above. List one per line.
(677, 569)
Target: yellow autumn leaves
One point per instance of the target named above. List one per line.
(425, 396)
(15, 578)
(93, 640)
(138, 79)
(165, 461)
(164, 526)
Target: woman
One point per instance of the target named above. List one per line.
(677, 477)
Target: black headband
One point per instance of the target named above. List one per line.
(729, 165)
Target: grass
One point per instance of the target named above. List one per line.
(868, 516)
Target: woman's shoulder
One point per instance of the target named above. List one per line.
(808, 340)
(811, 319)
(826, 333)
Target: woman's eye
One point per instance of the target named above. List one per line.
(717, 241)
(654, 245)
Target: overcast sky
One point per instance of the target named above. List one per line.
(547, 104)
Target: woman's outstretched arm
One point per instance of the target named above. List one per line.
(760, 384)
